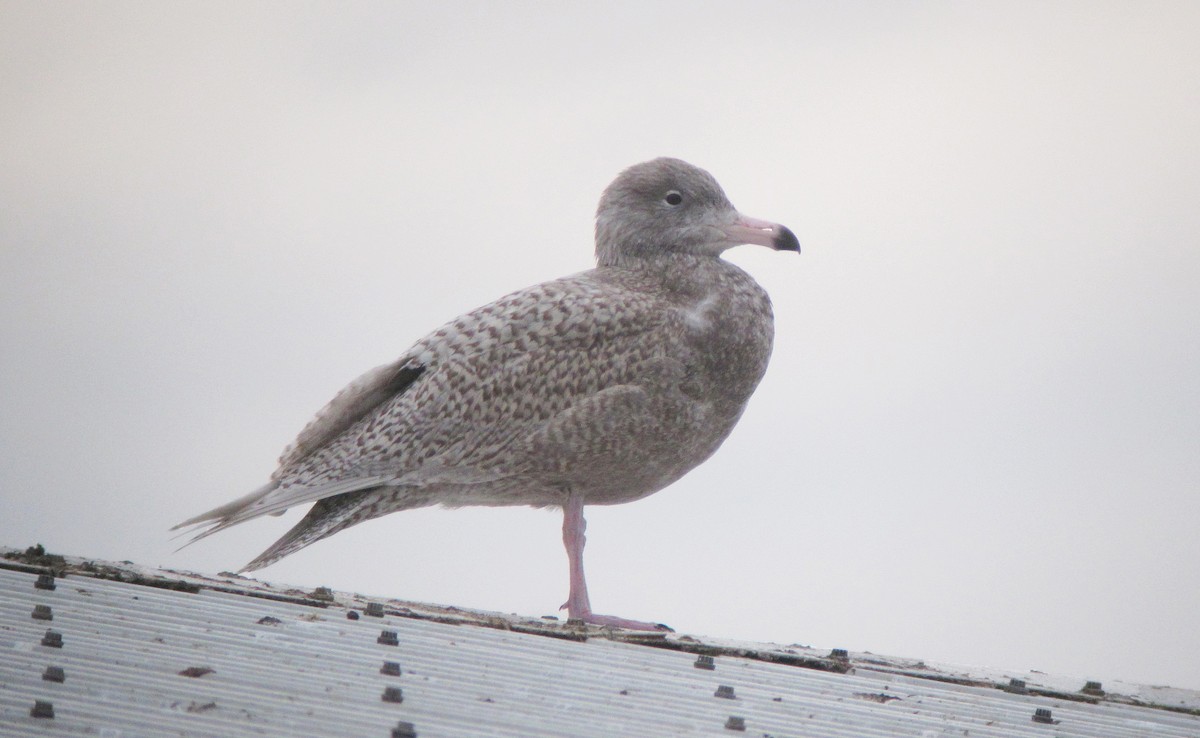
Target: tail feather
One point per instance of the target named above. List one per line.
(326, 517)
(229, 514)
(274, 499)
(338, 506)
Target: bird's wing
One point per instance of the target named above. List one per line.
(351, 405)
(451, 408)
(482, 380)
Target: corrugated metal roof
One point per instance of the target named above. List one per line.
(201, 656)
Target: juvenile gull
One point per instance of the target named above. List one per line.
(595, 389)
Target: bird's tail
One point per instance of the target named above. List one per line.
(231, 513)
(271, 499)
(326, 517)
(334, 511)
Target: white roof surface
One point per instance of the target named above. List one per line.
(172, 653)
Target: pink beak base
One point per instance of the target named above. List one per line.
(761, 232)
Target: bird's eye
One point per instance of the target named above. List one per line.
(673, 198)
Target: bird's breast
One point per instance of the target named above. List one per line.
(728, 331)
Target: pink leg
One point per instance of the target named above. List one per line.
(577, 605)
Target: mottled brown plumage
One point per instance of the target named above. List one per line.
(594, 389)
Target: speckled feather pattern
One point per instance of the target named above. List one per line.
(611, 383)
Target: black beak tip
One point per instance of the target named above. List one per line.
(786, 240)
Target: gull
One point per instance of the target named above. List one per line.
(598, 388)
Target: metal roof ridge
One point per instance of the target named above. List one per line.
(37, 561)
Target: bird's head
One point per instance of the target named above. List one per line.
(668, 206)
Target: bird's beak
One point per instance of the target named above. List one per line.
(752, 230)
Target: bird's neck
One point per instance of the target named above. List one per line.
(665, 263)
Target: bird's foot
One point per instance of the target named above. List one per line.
(613, 621)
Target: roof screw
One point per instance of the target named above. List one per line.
(45, 581)
(42, 709)
(42, 612)
(375, 609)
(53, 639)
(1093, 688)
(54, 674)
(390, 668)
(393, 694)
(735, 723)
(1042, 715)
(388, 638)
(1016, 686)
(404, 730)
(705, 662)
(724, 692)
(839, 654)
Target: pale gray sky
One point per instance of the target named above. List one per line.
(979, 438)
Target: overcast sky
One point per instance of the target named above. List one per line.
(979, 437)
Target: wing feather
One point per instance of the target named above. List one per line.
(351, 405)
(449, 409)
